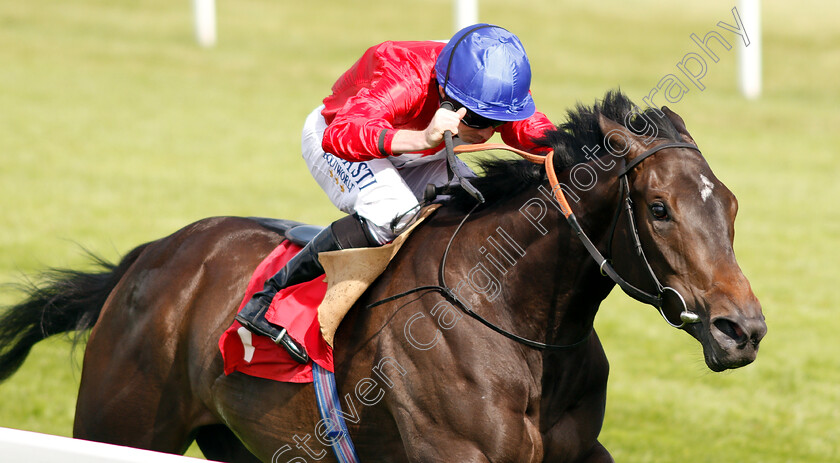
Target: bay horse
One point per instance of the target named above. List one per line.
(419, 381)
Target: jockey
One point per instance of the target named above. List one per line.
(377, 141)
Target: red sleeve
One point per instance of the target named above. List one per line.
(521, 134)
(395, 90)
(361, 131)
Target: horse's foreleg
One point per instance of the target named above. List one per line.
(598, 454)
(218, 443)
(451, 451)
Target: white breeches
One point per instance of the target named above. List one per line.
(379, 190)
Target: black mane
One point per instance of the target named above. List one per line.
(502, 178)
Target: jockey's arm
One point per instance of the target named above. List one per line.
(407, 141)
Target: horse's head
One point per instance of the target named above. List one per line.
(685, 220)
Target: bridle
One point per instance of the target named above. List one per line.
(606, 268)
(655, 299)
(686, 316)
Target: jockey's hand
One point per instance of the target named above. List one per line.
(409, 141)
(442, 121)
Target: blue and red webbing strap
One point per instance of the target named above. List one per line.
(329, 407)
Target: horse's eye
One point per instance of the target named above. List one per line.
(659, 211)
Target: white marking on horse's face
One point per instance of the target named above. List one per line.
(706, 187)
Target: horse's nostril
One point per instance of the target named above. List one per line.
(757, 330)
(731, 329)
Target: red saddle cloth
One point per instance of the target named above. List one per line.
(296, 309)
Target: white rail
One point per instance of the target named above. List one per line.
(204, 12)
(32, 447)
(466, 13)
(749, 57)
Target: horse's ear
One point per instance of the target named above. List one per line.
(617, 138)
(679, 124)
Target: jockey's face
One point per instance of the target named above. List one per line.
(472, 135)
(473, 128)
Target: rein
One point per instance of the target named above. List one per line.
(452, 297)
(656, 300)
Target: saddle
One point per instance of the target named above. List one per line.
(297, 232)
(349, 272)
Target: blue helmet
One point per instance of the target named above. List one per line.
(485, 68)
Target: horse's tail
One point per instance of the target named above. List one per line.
(64, 301)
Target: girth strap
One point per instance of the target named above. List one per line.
(329, 407)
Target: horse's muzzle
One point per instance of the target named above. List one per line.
(733, 341)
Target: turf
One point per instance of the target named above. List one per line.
(115, 129)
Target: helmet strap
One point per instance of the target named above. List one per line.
(455, 47)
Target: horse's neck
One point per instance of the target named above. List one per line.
(564, 291)
(547, 284)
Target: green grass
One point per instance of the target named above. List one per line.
(115, 129)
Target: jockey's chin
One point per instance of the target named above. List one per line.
(473, 136)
